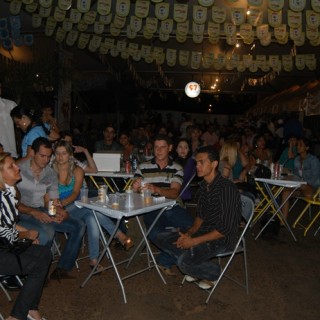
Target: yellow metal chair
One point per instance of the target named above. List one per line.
(264, 203)
(315, 200)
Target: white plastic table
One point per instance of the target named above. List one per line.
(139, 208)
(289, 181)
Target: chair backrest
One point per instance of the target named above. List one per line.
(186, 185)
(247, 208)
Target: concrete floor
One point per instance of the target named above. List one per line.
(283, 277)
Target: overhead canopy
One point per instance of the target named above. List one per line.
(244, 46)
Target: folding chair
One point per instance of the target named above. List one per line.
(314, 201)
(240, 248)
(6, 291)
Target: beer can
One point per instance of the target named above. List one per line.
(102, 192)
(52, 208)
(128, 166)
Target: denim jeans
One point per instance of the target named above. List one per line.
(87, 217)
(195, 261)
(176, 217)
(35, 262)
(73, 227)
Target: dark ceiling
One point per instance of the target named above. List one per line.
(236, 88)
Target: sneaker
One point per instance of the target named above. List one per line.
(167, 271)
(206, 284)
(190, 279)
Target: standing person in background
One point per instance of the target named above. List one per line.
(89, 166)
(34, 261)
(186, 122)
(6, 128)
(108, 143)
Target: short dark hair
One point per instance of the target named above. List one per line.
(41, 141)
(163, 137)
(213, 155)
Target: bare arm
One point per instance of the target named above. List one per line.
(91, 166)
(37, 214)
(170, 193)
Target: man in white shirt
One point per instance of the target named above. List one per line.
(7, 129)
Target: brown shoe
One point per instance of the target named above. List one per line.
(167, 271)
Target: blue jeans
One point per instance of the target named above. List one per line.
(195, 261)
(87, 217)
(74, 229)
(176, 217)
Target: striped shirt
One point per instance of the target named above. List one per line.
(8, 215)
(219, 207)
(152, 173)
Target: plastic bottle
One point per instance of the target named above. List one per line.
(129, 198)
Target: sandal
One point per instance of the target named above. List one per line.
(99, 268)
(128, 244)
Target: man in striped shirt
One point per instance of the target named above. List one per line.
(215, 227)
(164, 177)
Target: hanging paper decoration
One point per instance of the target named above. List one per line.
(255, 18)
(219, 14)
(294, 19)
(274, 18)
(135, 23)
(200, 14)
(297, 5)
(315, 5)
(275, 5)
(142, 8)
(255, 3)
(122, 8)
(166, 26)
(83, 5)
(180, 12)
(161, 11)
(104, 7)
(119, 22)
(32, 7)
(238, 16)
(151, 25)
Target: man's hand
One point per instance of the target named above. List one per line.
(184, 241)
(136, 185)
(42, 217)
(61, 215)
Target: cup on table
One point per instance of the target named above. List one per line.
(84, 194)
(114, 200)
(147, 196)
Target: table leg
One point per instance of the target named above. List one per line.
(106, 251)
(278, 209)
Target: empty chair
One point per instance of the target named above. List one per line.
(314, 201)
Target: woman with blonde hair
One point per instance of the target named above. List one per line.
(34, 260)
(71, 179)
(228, 158)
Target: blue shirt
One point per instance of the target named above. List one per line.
(310, 170)
(30, 136)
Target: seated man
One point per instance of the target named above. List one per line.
(163, 176)
(39, 184)
(215, 227)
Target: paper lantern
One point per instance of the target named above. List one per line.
(192, 89)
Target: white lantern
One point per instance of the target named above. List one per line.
(192, 89)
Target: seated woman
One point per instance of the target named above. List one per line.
(307, 167)
(184, 158)
(124, 140)
(228, 157)
(289, 153)
(34, 261)
(71, 179)
(260, 154)
(194, 135)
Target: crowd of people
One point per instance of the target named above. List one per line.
(48, 171)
